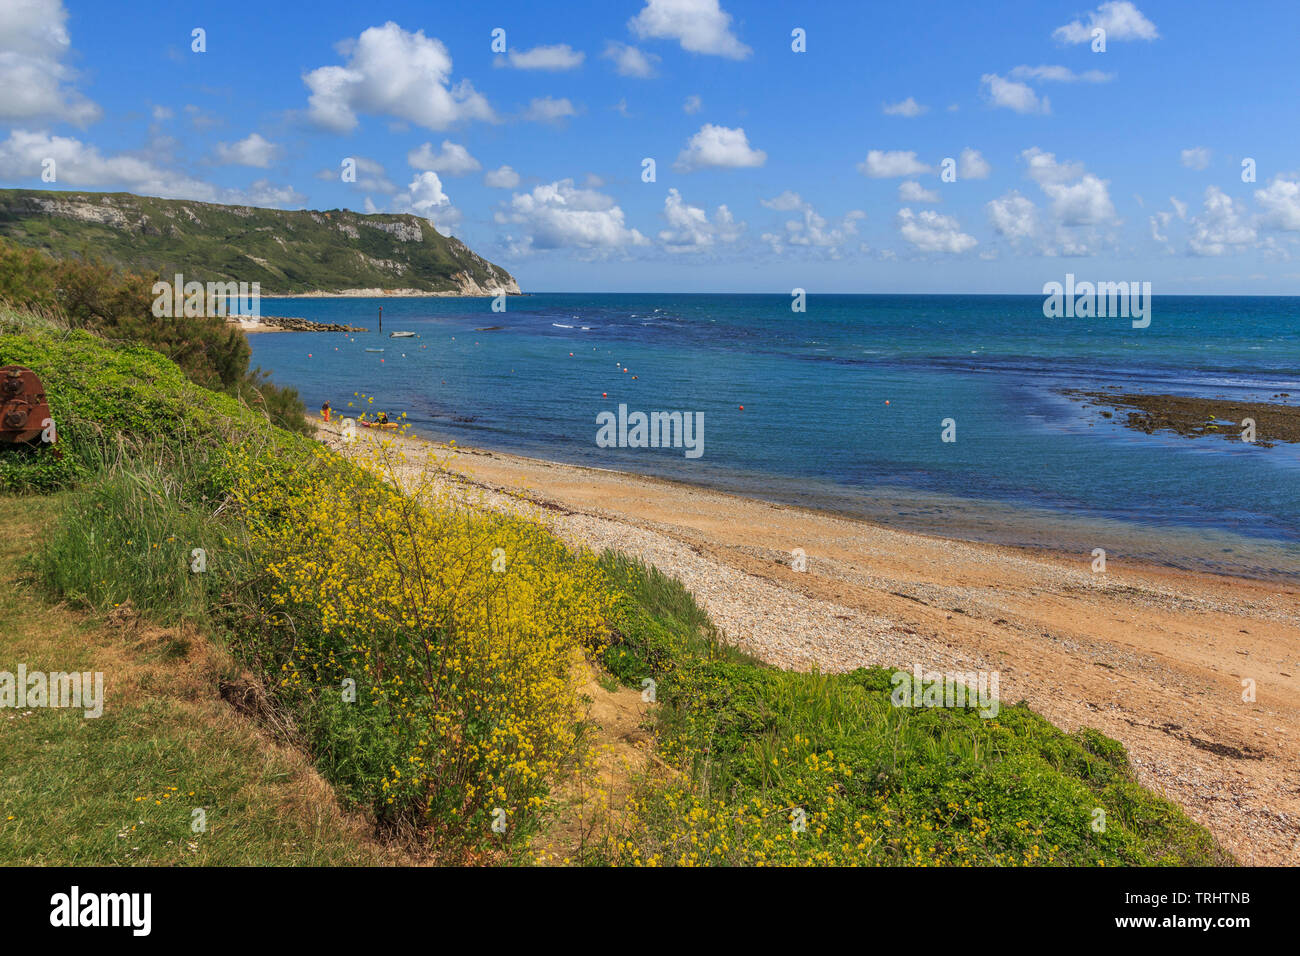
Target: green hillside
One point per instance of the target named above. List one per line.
(286, 251)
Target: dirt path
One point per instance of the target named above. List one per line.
(1153, 657)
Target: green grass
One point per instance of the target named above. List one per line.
(134, 533)
(928, 785)
(121, 788)
(113, 404)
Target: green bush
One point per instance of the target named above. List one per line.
(86, 294)
(108, 402)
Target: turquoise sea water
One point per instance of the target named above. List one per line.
(1029, 466)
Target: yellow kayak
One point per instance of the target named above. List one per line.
(389, 425)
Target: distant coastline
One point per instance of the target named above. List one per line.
(387, 293)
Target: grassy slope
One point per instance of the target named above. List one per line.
(929, 785)
(106, 400)
(922, 781)
(300, 251)
(119, 789)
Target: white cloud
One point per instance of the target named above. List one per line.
(200, 119)
(1044, 169)
(1120, 19)
(811, 229)
(426, 198)
(451, 159)
(253, 150)
(391, 72)
(1085, 203)
(425, 193)
(973, 165)
(1162, 218)
(547, 109)
(502, 178)
(560, 215)
(700, 26)
(629, 60)
(373, 177)
(1198, 157)
(264, 193)
(1080, 207)
(1281, 202)
(930, 231)
(693, 104)
(908, 107)
(912, 191)
(882, 164)
(1221, 228)
(82, 164)
(1013, 216)
(690, 228)
(1059, 74)
(786, 202)
(718, 147)
(555, 58)
(1014, 95)
(37, 83)
(1158, 222)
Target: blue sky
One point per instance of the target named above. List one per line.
(773, 168)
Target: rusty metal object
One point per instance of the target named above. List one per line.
(24, 409)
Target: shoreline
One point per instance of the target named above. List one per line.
(285, 323)
(1149, 655)
(1026, 528)
(387, 294)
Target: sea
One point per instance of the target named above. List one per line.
(845, 405)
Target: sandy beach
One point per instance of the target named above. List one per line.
(1153, 657)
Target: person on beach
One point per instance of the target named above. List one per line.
(325, 411)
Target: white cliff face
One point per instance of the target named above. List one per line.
(496, 284)
(401, 231)
(104, 214)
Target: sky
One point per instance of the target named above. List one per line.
(794, 145)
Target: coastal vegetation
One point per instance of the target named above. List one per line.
(84, 296)
(423, 652)
(285, 251)
(780, 767)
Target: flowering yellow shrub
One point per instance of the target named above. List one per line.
(458, 629)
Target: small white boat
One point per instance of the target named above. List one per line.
(374, 350)
(401, 335)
